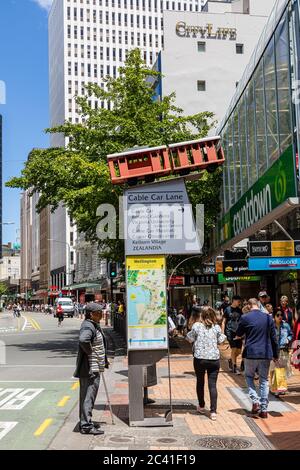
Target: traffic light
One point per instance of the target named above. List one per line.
(112, 270)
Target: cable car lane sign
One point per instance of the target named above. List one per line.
(158, 219)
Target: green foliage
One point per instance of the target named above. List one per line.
(3, 289)
(77, 176)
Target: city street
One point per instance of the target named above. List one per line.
(39, 398)
(37, 390)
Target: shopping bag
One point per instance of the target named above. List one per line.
(279, 383)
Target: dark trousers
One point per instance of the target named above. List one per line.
(89, 387)
(202, 366)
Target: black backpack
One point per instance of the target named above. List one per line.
(232, 323)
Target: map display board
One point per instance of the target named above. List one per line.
(146, 302)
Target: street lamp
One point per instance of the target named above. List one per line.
(68, 267)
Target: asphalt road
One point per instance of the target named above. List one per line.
(37, 388)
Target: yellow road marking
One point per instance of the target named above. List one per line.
(75, 386)
(43, 427)
(36, 323)
(63, 401)
(31, 323)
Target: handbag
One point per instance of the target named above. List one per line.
(279, 382)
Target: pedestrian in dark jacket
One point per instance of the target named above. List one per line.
(260, 348)
(91, 361)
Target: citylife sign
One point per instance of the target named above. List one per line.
(270, 191)
(205, 32)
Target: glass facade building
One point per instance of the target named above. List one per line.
(262, 121)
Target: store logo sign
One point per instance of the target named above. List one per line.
(254, 209)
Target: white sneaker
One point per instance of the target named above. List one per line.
(200, 410)
(213, 416)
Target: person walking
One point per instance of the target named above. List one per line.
(232, 315)
(260, 348)
(180, 322)
(91, 362)
(60, 315)
(206, 335)
(295, 359)
(287, 312)
(263, 298)
(284, 337)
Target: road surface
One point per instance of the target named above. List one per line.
(37, 388)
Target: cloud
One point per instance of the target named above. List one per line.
(46, 4)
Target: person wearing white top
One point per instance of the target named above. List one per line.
(206, 335)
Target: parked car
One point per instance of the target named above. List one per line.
(67, 306)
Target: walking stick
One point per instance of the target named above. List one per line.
(108, 400)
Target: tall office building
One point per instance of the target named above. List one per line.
(89, 39)
(204, 55)
(1, 186)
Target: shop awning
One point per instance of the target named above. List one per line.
(84, 285)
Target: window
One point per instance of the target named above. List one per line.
(283, 84)
(239, 48)
(201, 46)
(201, 85)
(272, 116)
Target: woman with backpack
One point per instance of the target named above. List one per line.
(206, 335)
(232, 316)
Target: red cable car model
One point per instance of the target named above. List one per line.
(184, 158)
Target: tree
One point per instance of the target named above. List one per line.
(78, 177)
(3, 289)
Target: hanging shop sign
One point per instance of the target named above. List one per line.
(219, 266)
(269, 192)
(260, 249)
(282, 249)
(273, 264)
(222, 279)
(146, 302)
(297, 248)
(201, 280)
(176, 281)
(268, 249)
(209, 269)
(234, 267)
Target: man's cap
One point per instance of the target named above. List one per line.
(92, 307)
(263, 293)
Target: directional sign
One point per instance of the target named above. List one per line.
(158, 219)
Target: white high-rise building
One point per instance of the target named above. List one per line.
(89, 39)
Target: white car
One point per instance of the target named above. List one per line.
(67, 306)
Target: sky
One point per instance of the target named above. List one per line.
(25, 109)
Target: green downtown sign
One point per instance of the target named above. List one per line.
(269, 192)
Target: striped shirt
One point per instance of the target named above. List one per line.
(97, 358)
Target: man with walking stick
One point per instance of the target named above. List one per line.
(91, 362)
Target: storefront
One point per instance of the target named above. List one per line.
(261, 135)
(185, 289)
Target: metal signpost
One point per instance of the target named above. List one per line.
(158, 221)
(155, 216)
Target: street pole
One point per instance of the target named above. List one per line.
(179, 264)
(68, 263)
(111, 290)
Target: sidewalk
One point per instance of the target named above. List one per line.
(234, 428)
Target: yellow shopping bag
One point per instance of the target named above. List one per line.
(279, 383)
